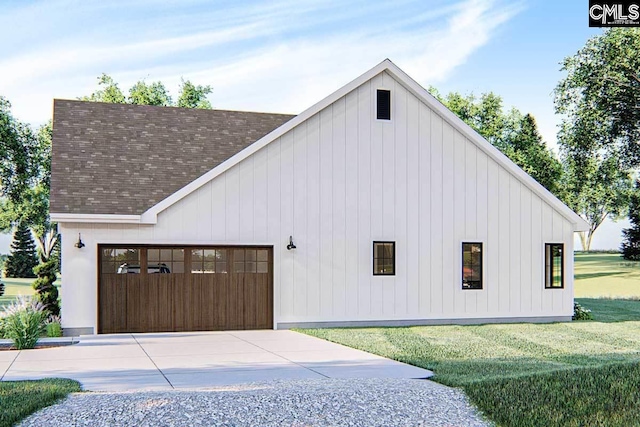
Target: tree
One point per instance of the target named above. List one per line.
(46, 291)
(31, 206)
(18, 160)
(513, 133)
(598, 100)
(601, 93)
(153, 94)
(596, 188)
(111, 93)
(22, 259)
(631, 243)
(192, 96)
(141, 93)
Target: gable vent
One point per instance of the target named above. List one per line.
(384, 105)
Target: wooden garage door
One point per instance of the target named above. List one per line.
(184, 288)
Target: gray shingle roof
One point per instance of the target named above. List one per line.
(124, 159)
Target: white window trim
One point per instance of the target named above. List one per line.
(375, 117)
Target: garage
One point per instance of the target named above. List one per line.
(184, 288)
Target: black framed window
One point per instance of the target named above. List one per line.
(471, 265)
(384, 258)
(554, 265)
(383, 110)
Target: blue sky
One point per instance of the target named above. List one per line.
(284, 56)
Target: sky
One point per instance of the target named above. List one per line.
(284, 56)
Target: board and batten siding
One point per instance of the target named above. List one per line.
(343, 179)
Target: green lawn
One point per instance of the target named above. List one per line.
(21, 398)
(580, 373)
(15, 287)
(606, 275)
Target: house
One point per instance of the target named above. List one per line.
(376, 206)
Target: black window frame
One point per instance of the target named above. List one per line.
(386, 99)
(477, 285)
(549, 265)
(393, 257)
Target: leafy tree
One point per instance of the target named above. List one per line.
(141, 93)
(601, 93)
(513, 133)
(31, 206)
(152, 94)
(110, 93)
(192, 96)
(596, 188)
(18, 163)
(22, 259)
(631, 243)
(524, 145)
(598, 100)
(46, 291)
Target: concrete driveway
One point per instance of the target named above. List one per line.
(198, 360)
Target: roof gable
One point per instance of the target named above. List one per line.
(150, 216)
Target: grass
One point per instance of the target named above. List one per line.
(600, 396)
(15, 287)
(606, 275)
(21, 398)
(573, 374)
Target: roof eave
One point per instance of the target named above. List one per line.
(97, 218)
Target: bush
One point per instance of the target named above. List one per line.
(23, 322)
(581, 313)
(46, 291)
(54, 327)
(1, 289)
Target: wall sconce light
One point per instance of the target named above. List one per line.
(291, 245)
(79, 243)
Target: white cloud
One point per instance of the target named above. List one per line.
(281, 58)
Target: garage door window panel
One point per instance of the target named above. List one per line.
(120, 260)
(165, 260)
(208, 261)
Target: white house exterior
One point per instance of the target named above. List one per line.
(337, 179)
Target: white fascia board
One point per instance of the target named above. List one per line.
(455, 121)
(95, 218)
(150, 216)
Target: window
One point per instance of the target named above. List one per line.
(383, 110)
(120, 260)
(251, 261)
(208, 261)
(472, 265)
(165, 260)
(384, 258)
(553, 265)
